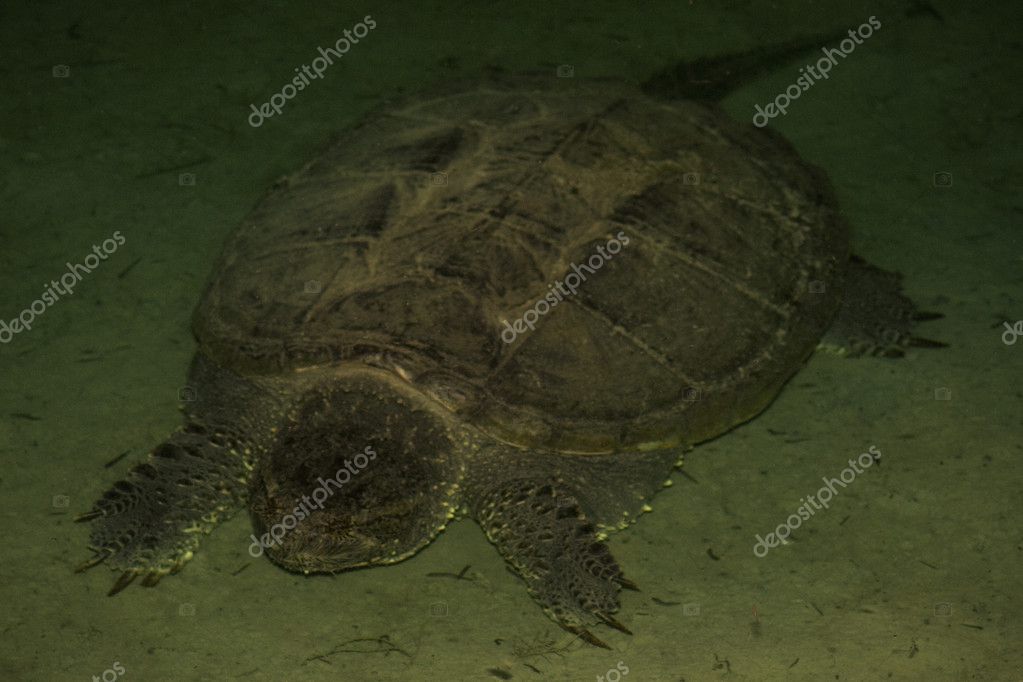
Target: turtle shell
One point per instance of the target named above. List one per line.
(464, 243)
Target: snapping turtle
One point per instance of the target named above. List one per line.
(519, 302)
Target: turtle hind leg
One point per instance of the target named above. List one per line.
(542, 532)
(151, 522)
(875, 317)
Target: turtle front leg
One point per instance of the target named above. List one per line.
(151, 522)
(542, 531)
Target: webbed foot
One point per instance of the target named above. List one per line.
(150, 523)
(549, 541)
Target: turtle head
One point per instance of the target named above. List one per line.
(361, 473)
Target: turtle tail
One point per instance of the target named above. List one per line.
(712, 78)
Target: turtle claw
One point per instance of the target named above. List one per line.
(587, 636)
(126, 579)
(88, 516)
(919, 342)
(152, 578)
(625, 583)
(610, 620)
(94, 561)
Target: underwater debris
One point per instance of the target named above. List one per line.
(116, 459)
(457, 576)
(661, 602)
(541, 646)
(361, 645)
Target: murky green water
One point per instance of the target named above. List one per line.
(131, 124)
